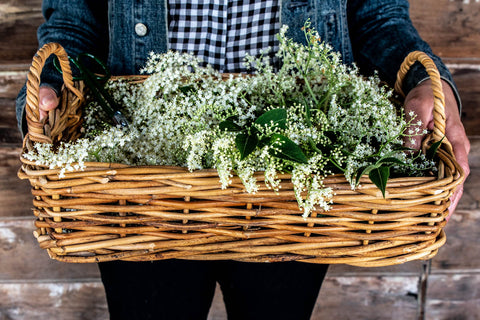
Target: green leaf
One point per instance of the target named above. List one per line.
(229, 125)
(379, 176)
(246, 144)
(430, 154)
(276, 116)
(285, 148)
(263, 142)
(361, 171)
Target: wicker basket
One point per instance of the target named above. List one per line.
(112, 211)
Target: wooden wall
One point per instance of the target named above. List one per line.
(33, 286)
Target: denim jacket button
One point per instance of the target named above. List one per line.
(141, 29)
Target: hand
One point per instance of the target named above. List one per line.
(48, 100)
(420, 100)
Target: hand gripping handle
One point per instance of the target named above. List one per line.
(35, 125)
(439, 118)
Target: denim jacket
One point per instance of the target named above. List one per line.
(376, 35)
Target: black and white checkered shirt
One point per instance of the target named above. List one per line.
(222, 32)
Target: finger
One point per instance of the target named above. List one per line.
(454, 200)
(418, 112)
(48, 100)
(461, 150)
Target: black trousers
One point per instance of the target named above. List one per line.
(180, 289)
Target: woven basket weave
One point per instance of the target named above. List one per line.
(112, 211)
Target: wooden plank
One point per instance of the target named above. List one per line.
(11, 81)
(19, 21)
(22, 259)
(467, 78)
(471, 192)
(368, 298)
(453, 296)
(474, 156)
(463, 244)
(10, 137)
(10, 84)
(54, 300)
(15, 196)
(450, 26)
(412, 268)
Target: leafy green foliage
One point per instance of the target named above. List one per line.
(248, 138)
(229, 125)
(379, 176)
(273, 118)
(379, 172)
(286, 149)
(246, 144)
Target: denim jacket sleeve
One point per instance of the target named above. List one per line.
(79, 26)
(382, 35)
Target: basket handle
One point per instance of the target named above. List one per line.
(439, 98)
(35, 126)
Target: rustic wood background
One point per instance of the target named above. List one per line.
(33, 286)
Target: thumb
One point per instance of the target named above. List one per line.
(48, 100)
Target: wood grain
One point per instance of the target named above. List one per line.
(451, 27)
(471, 195)
(374, 297)
(11, 82)
(52, 300)
(467, 79)
(19, 21)
(453, 296)
(463, 244)
(412, 268)
(22, 259)
(15, 195)
(474, 156)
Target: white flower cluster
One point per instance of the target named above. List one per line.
(71, 156)
(335, 121)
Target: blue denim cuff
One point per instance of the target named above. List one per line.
(20, 104)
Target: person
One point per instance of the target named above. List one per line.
(376, 35)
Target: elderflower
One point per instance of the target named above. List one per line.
(311, 117)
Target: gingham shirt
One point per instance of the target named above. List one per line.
(221, 32)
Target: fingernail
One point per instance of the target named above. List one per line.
(47, 100)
